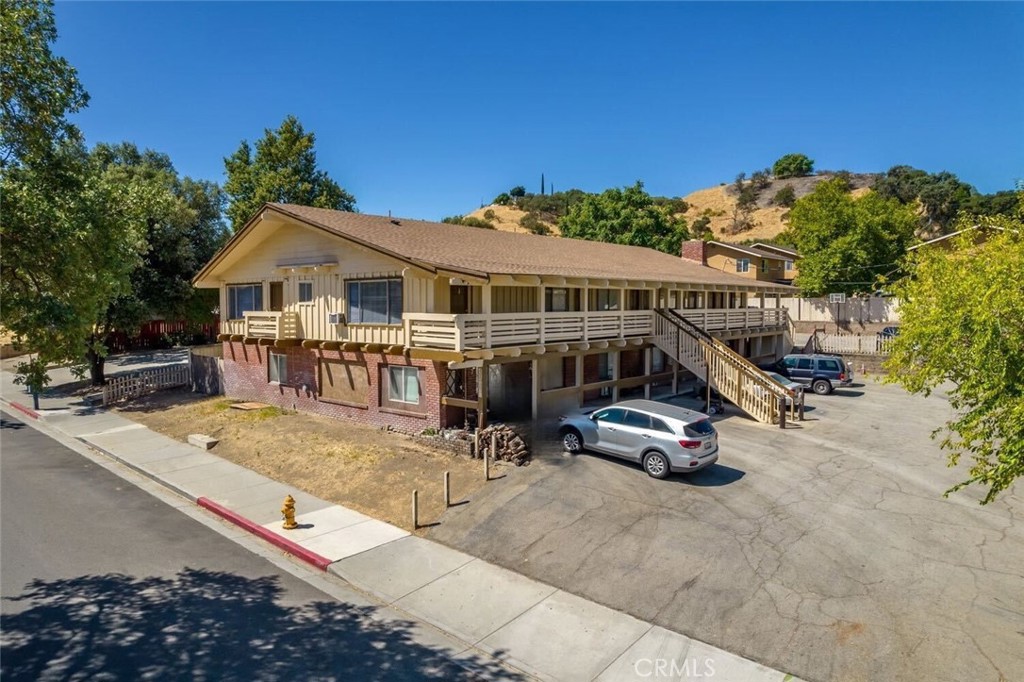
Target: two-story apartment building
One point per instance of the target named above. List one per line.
(411, 324)
(761, 262)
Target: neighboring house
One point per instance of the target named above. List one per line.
(977, 233)
(790, 265)
(416, 325)
(748, 262)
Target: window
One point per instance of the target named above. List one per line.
(604, 299)
(613, 416)
(804, 363)
(789, 266)
(561, 299)
(375, 301)
(764, 265)
(278, 368)
(243, 297)
(637, 420)
(658, 425)
(743, 265)
(697, 429)
(828, 365)
(305, 292)
(638, 299)
(404, 385)
(604, 367)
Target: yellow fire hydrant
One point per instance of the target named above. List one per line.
(288, 513)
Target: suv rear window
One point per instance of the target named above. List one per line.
(828, 365)
(804, 363)
(698, 429)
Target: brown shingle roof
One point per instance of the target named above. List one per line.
(482, 251)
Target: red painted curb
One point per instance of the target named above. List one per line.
(273, 538)
(30, 412)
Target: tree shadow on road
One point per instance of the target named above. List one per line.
(208, 625)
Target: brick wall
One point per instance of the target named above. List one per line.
(245, 378)
(631, 363)
(693, 250)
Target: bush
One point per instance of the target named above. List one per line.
(761, 179)
(793, 166)
(701, 228)
(476, 222)
(532, 222)
(489, 214)
(518, 191)
(502, 199)
(785, 197)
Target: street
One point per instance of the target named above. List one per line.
(100, 579)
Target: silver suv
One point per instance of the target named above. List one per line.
(662, 438)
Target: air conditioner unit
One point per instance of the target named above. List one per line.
(336, 318)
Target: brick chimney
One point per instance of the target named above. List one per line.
(693, 250)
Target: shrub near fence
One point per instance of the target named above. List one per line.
(127, 386)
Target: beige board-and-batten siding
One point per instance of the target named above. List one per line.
(292, 244)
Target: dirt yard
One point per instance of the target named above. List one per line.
(363, 468)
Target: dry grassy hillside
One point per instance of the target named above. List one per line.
(719, 204)
(506, 218)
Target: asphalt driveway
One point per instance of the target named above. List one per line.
(826, 551)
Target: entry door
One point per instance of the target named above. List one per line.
(460, 300)
(277, 296)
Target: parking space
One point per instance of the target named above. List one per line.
(826, 550)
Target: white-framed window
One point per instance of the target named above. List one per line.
(561, 299)
(789, 266)
(604, 299)
(305, 292)
(374, 301)
(764, 265)
(743, 265)
(242, 298)
(277, 365)
(404, 385)
(604, 367)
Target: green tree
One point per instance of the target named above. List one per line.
(625, 216)
(283, 169)
(848, 245)
(793, 166)
(37, 89)
(182, 231)
(962, 324)
(517, 191)
(942, 195)
(785, 196)
(73, 232)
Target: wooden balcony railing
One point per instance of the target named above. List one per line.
(269, 324)
(713, 320)
(480, 331)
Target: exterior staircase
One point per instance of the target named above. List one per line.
(737, 379)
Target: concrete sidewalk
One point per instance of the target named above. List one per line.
(547, 633)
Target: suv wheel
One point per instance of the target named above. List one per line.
(821, 387)
(656, 465)
(572, 442)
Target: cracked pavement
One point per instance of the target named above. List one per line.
(827, 550)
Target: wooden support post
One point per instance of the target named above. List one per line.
(801, 406)
(782, 412)
(447, 490)
(415, 509)
(490, 452)
(707, 405)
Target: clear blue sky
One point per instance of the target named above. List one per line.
(428, 109)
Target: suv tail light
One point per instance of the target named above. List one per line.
(842, 376)
(690, 444)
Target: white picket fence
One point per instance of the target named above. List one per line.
(854, 344)
(127, 386)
